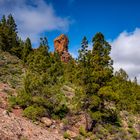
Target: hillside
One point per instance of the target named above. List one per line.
(11, 69)
(48, 95)
(13, 126)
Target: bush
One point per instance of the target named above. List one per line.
(34, 112)
(12, 101)
(133, 133)
(82, 131)
(60, 111)
(23, 99)
(66, 135)
(80, 138)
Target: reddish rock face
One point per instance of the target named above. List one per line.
(61, 46)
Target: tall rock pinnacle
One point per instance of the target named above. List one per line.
(61, 46)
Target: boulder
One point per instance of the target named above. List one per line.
(5, 113)
(48, 122)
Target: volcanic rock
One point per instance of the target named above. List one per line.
(61, 46)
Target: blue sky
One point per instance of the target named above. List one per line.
(118, 20)
(83, 18)
(110, 17)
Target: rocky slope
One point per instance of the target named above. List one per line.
(15, 127)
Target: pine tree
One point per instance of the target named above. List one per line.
(96, 72)
(101, 74)
(8, 36)
(102, 62)
(4, 34)
(84, 62)
(11, 23)
(27, 49)
(44, 43)
(135, 80)
(121, 75)
(83, 51)
(13, 38)
(39, 60)
(3, 20)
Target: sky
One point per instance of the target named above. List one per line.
(118, 20)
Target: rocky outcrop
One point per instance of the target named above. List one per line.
(61, 46)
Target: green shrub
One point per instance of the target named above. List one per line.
(23, 138)
(23, 99)
(66, 135)
(60, 111)
(34, 112)
(130, 124)
(82, 131)
(112, 129)
(65, 121)
(133, 133)
(100, 136)
(12, 101)
(80, 138)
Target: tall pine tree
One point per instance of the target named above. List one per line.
(96, 72)
(26, 50)
(8, 36)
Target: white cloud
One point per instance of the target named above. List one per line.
(126, 53)
(34, 17)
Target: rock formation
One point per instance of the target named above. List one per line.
(61, 46)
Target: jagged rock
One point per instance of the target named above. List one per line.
(48, 122)
(61, 46)
(65, 56)
(61, 43)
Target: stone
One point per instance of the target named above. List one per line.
(55, 131)
(61, 126)
(53, 126)
(2, 121)
(48, 122)
(71, 133)
(16, 107)
(61, 47)
(37, 123)
(5, 113)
